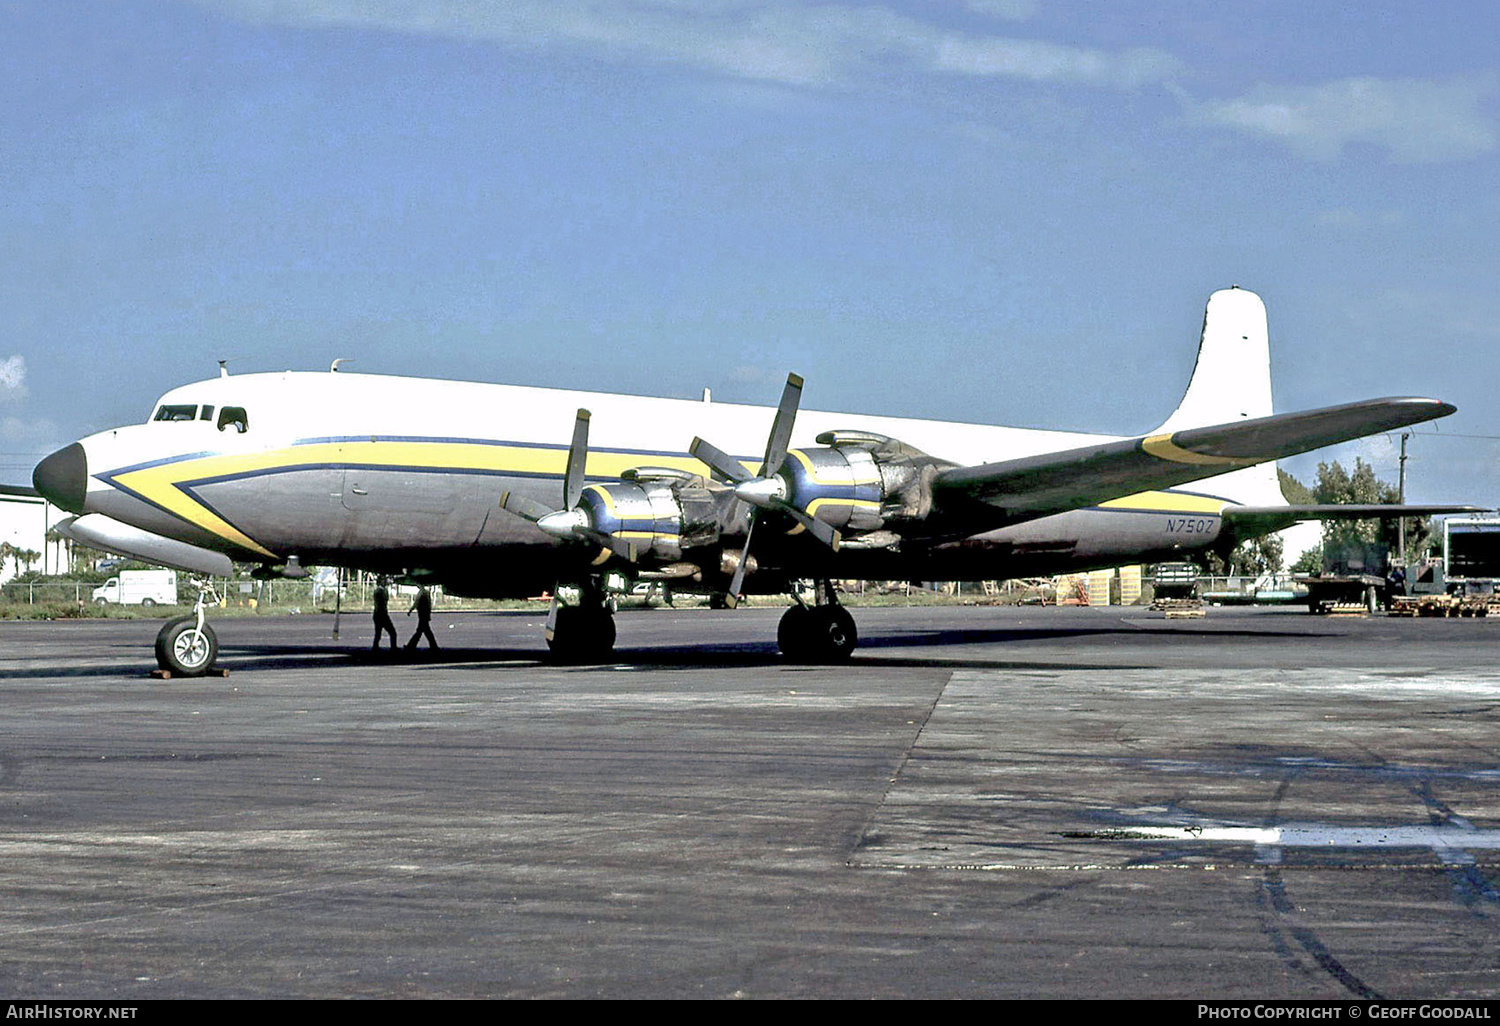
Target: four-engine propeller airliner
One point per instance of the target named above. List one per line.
(499, 490)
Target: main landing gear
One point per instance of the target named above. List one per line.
(584, 633)
(823, 632)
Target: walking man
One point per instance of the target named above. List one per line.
(383, 621)
(423, 607)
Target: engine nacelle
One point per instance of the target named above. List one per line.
(644, 512)
(840, 486)
(858, 480)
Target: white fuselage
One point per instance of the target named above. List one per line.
(402, 473)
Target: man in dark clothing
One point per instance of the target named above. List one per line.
(423, 606)
(383, 620)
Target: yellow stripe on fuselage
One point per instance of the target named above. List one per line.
(163, 484)
(1167, 502)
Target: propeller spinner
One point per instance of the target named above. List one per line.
(571, 522)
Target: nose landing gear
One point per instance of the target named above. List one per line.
(186, 646)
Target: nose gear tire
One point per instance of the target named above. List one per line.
(185, 650)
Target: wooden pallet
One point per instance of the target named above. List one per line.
(1443, 605)
(1346, 609)
(212, 671)
(1179, 609)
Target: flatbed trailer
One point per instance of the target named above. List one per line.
(1342, 593)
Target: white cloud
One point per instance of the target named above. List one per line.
(767, 40)
(13, 378)
(1417, 121)
(1049, 62)
(40, 434)
(1010, 10)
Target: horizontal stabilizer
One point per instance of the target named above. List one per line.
(995, 494)
(1241, 522)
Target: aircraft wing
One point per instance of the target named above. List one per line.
(994, 495)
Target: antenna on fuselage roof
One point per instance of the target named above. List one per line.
(333, 368)
(223, 368)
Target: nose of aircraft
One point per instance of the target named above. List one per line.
(63, 478)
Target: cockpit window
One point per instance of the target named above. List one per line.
(207, 414)
(176, 413)
(234, 416)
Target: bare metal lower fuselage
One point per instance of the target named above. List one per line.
(448, 524)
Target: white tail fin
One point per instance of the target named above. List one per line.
(1232, 381)
(1232, 378)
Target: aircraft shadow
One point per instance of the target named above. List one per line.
(948, 651)
(874, 651)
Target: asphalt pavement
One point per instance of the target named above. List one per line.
(985, 802)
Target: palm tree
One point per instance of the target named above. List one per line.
(53, 538)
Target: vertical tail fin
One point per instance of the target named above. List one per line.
(1232, 381)
(1232, 378)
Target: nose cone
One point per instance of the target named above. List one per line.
(63, 478)
(564, 522)
(762, 491)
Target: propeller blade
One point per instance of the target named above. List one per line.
(528, 509)
(619, 546)
(578, 454)
(818, 529)
(725, 465)
(737, 582)
(765, 490)
(781, 427)
(552, 615)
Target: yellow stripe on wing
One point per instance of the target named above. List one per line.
(1162, 447)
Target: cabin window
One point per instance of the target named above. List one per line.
(234, 416)
(177, 413)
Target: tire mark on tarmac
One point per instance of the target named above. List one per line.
(1470, 885)
(1281, 922)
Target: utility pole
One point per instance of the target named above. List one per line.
(1401, 498)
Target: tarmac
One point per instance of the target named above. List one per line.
(985, 802)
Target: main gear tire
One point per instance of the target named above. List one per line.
(817, 634)
(582, 635)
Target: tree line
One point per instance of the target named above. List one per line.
(1333, 485)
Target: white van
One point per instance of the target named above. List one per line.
(139, 588)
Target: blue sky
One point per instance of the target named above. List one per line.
(1008, 211)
